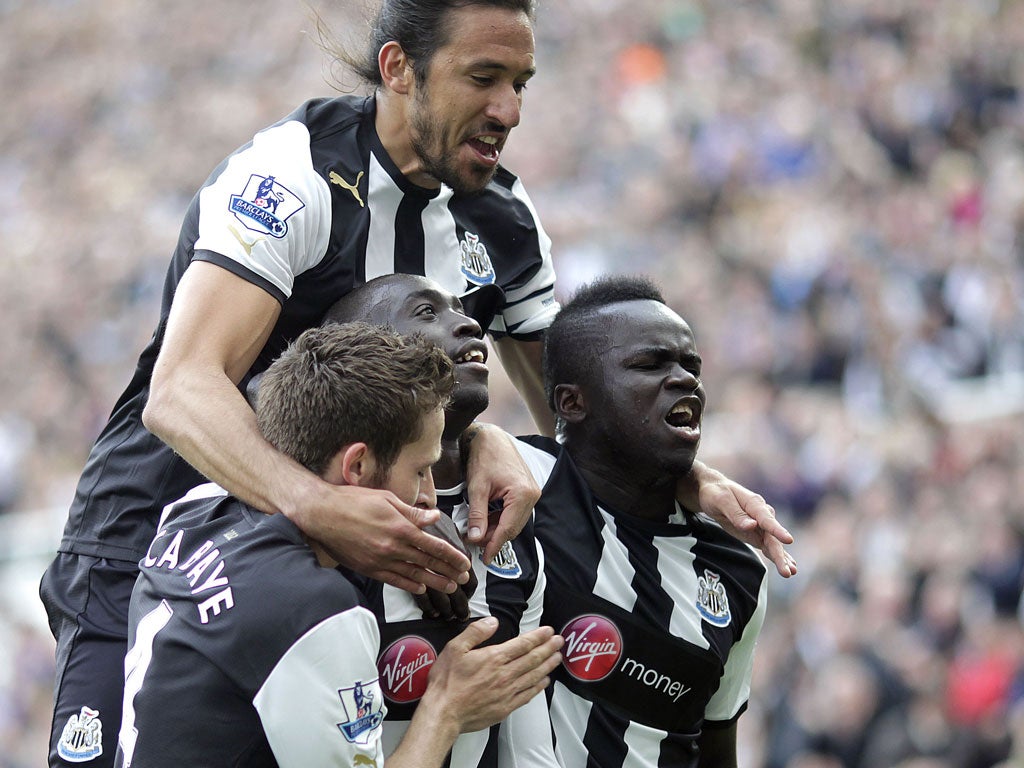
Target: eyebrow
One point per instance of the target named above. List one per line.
(497, 65)
(665, 352)
(432, 294)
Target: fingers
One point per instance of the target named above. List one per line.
(533, 665)
(473, 635)
(440, 605)
(477, 515)
(512, 520)
(434, 554)
(495, 541)
(763, 514)
(783, 561)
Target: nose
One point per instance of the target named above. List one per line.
(682, 378)
(505, 107)
(464, 325)
(427, 496)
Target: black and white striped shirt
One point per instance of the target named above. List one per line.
(309, 209)
(511, 589)
(660, 622)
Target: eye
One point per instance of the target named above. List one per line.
(520, 87)
(644, 365)
(483, 80)
(425, 310)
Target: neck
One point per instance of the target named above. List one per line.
(640, 494)
(449, 471)
(392, 124)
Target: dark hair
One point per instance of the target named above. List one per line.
(568, 351)
(353, 382)
(419, 26)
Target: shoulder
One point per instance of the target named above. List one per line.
(324, 117)
(540, 454)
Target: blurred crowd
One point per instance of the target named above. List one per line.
(830, 191)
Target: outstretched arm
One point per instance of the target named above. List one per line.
(743, 513)
(217, 326)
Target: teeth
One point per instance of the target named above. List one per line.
(474, 356)
(487, 139)
(682, 410)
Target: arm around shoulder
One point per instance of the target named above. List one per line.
(218, 325)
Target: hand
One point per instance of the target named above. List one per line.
(450, 607)
(742, 513)
(454, 606)
(376, 534)
(496, 471)
(475, 688)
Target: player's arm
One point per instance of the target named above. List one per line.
(718, 746)
(472, 688)
(743, 513)
(217, 326)
(522, 361)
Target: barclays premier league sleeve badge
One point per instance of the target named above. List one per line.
(363, 707)
(265, 205)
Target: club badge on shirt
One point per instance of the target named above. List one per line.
(476, 264)
(82, 737)
(505, 564)
(712, 601)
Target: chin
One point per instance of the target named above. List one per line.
(469, 400)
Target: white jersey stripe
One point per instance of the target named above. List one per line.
(442, 257)
(614, 572)
(383, 198)
(568, 709)
(643, 745)
(679, 580)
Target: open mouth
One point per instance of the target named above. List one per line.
(474, 353)
(685, 417)
(486, 147)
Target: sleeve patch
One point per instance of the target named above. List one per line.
(265, 205)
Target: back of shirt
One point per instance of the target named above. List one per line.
(243, 650)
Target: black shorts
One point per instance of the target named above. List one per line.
(86, 601)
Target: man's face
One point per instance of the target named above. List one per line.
(412, 305)
(409, 478)
(460, 117)
(644, 400)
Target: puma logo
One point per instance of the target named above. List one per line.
(353, 188)
(364, 760)
(241, 240)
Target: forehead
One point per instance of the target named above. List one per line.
(632, 325)
(397, 299)
(477, 34)
(426, 449)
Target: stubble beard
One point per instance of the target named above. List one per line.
(425, 135)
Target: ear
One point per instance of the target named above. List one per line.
(569, 403)
(395, 68)
(354, 464)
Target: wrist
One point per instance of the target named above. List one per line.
(438, 717)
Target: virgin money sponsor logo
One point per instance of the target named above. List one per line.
(403, 668)
(592, 647)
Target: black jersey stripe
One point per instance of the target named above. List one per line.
(410, 251)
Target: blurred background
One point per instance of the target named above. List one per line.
(830, 191)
